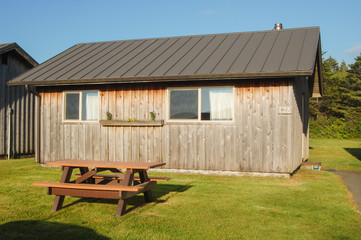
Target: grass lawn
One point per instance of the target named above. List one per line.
(336, 154)
(310, 205)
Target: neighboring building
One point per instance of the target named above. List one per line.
(228, 102)
(17, 101)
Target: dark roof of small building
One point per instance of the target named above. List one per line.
(263, 54)
(7, 47)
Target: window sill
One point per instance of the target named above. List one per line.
(137, 123)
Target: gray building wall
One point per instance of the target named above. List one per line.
(21, 104)
(269, 132)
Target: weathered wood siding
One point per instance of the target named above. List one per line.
(261, 138)
(22, 105)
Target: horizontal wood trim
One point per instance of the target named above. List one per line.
(90, 186)
(153, 179)
(102, 164)
(147, 187)
(85, 193)
(137, 123)
(154, 79)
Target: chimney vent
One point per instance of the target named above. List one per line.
(278, 26)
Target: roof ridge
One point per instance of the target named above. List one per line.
(206, 34)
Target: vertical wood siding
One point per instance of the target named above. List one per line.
(22, 105)
(260, 139)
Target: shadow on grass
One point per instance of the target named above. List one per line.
(138, 200)
(46, 230)
(356, 152)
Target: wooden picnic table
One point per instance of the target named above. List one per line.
(121, 185)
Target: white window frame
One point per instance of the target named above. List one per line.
(199, 120)
(80, 106)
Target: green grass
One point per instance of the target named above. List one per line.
(310, 205)
(336, 154)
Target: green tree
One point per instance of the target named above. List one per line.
(338, 113)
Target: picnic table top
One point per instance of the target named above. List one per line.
(103, 164)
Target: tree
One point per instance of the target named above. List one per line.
(338, 114)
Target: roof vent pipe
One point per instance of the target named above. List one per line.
(278, 26)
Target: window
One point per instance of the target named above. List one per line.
(81, 106)
(201, 104)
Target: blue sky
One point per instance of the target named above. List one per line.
(46, 28)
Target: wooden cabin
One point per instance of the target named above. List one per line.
(16, 104)
(224, 102)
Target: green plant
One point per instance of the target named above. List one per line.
(153, 115)
(131, 119)
(109, 115)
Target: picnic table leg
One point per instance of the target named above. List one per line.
(84, 170)
(143, 175)
(59, 200)
(127, 181)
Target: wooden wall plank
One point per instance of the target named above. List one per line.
(201, 149)
(111, 131)
(174, 146)
(258, 140)
(53, 126)
(210, 148)
(3, 111)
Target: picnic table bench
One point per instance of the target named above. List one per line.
(88, 183)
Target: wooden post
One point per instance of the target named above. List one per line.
(59, 200)
(9, 133)
(37, 129)
(127, 181)
(144, 178)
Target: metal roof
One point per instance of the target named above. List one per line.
(7, 47)
(288, 52)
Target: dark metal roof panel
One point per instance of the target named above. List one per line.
(308, 51)
(176, 57)
(231, 55)
(155, 63)
(153, 56)
(247, 53)
(134, 58)
(213, 60)
(277, 53)
(261, 55)
(95, 58)
(203, 56)
(75, 62)
(36, 73)
(293, 52)
(177, 68)
(265, 53)
(111, 64)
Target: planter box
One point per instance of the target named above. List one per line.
(137, 123)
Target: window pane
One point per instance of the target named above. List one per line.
(72, 106)
(205, 108)
(90, 106)
(217, 104)
(184, 104)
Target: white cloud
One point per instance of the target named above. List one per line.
(353, 51)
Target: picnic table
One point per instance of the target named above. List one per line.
(121, 184)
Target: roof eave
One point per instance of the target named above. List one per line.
(163, 79)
